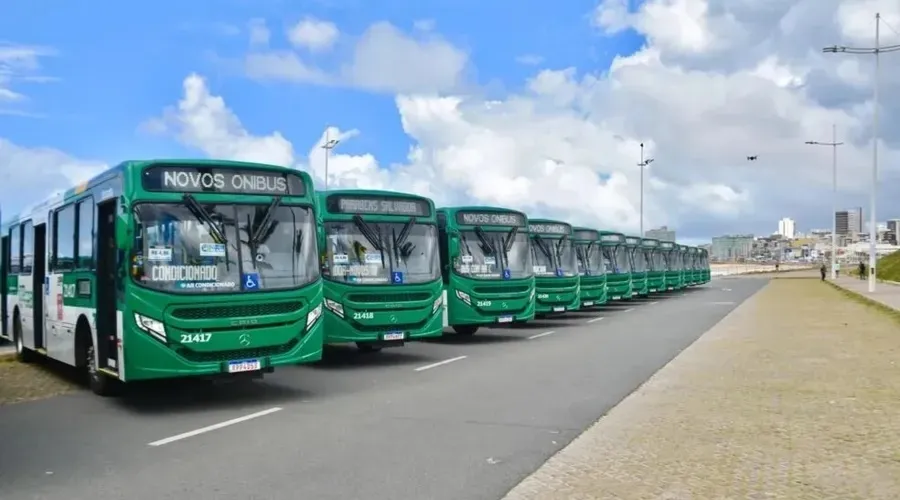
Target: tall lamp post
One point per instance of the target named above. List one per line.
(328, 146)
(877, 50)
(833, 144)
(643, 164)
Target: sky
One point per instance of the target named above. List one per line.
(542, 109)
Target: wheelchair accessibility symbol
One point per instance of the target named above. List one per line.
(397, 277)
(507, 274)
(250, 281)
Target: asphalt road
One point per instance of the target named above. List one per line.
(458, 418)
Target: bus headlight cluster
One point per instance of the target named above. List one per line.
(463, 296)
(335, 307)
(313, 316)
(437, 303)
(152, 326)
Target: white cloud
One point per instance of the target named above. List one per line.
(383, 59)
(313, 34)
(259, 32)
(28, 175)
(20, 63)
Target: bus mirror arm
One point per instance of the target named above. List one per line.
(124, 236)
(454, 246)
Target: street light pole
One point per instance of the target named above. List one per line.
(877, 50)
(643, 164)
(834, 144)
(328, 146)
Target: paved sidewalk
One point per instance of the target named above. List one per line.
(885, 293)
(794, 396)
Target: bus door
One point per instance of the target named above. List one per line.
(106, 288)
(4, 285)
(40, 288)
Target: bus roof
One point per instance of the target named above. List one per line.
(127, 166)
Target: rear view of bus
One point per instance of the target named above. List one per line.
(380, 263)
(591, 270)
(673, 265)
(486, 266)
(639, 266)
(618, 265)
(555, 267)
(656, 265)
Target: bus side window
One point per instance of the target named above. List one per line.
(15, 249)
(444, 246)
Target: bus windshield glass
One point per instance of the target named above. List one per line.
(673, 263)
(590, 259)
(618, 259)
(657, 261)
(193, 248)
(485, 254)
(638, 262)
(375, 253)
(553, 256)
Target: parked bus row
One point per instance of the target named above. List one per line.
(162, 269)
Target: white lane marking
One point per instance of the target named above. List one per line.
(541, 335)
(440, 363)
(213, 427)
(721, 303)
(595, 319)
(653, 303)
(726, 289)
(628, 310)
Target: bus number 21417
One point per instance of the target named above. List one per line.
(196, 338)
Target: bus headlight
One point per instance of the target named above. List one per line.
(463, 296)
(335, 307)
(152, 326)
(313, 316)
(437, 303)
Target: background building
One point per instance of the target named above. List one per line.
(786, 228)
(731, 247)
(661, 233)
(849, 222)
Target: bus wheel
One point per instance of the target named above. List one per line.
(23, 354)
(367, 347)
(465, 329)
(100, 383)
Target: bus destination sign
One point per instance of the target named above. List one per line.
(190, 179)
(490, 219)
(633, 241)
(610, 237)
(377, 205)
(650, 243)
(586, 234)
(541, 228)
(667, 244)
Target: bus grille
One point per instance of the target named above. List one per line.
(389, 297)
(237, 311)
(500, 288)
(236, 354)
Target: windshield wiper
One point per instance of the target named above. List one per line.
(401, 247)
(486, 246)
(559, 247)
(506, 245)
(263, 225)
(373, 237)
(543, 246)
(203, 216)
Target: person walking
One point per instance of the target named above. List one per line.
(822, 271)
(837, 269)
(862, 270)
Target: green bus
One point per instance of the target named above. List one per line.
(381, 268)
(682, 255)
(704, 265)
(693, 257)
(555, 267)
(618, 265)
(591, 268)
(486, 267)
(187, 267)
(639, 266)
(656, 265)
(673, 265)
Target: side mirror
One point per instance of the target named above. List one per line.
(454, 247)
(124, 236)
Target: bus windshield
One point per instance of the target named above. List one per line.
(485, 254)
(657, 261)
(638, 261)
(197, 248)
(672, 262)
(375, 253)
(590, 259)
(618, 258)
(553, 256)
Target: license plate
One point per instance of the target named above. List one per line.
(616, 297)
(559, 309)
(588, 304)
(244, 365)
(505, 319)
(394, 336)
(652, 290)
(670, 289)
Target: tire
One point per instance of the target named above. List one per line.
(23, 354)
(100, 383)
(368, 347)
(465, 329)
